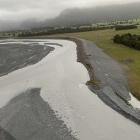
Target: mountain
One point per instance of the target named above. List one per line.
(80, 16)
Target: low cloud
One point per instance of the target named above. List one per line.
(17, 11)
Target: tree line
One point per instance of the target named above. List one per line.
(125, 27)
(40, 32)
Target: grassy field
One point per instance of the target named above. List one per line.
(129, 58)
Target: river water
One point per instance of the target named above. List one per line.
(62, 81)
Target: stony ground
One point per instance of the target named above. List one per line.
(107, 79)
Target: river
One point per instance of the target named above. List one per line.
(62, 81)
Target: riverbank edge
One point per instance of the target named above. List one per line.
(82, 58)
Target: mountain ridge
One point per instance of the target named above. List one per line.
(99, 14)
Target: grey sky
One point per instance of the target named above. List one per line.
(40, 9)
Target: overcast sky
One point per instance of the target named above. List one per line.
(40, 9)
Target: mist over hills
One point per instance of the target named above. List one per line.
(78, 16)
(99, 14)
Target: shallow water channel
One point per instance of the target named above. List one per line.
(62, 81)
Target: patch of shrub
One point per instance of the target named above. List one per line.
(132, 41)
